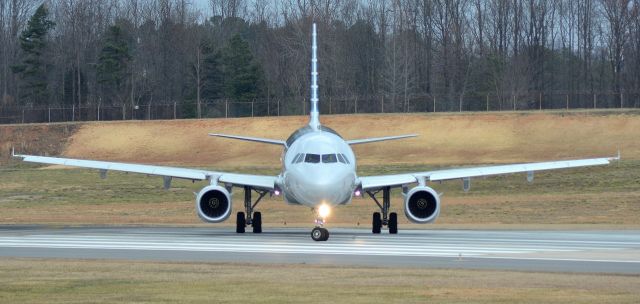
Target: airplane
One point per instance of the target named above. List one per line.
(318, 171)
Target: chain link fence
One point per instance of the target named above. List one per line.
(331, 105)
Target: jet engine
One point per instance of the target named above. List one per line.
(213, 204)
(422, 205)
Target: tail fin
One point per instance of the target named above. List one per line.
(314, 119)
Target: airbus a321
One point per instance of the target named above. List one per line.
(319, 172)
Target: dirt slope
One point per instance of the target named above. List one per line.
(444, 138)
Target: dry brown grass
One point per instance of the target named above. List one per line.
(63, 281)
(444, 139)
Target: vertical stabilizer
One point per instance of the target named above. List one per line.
(314, 120)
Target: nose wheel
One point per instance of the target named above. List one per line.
(319, 234)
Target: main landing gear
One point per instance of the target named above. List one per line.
(387, 219)
(252, 218)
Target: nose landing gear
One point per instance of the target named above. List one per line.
(319, 234)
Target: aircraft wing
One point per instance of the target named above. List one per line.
(396, 180)
(257, 181)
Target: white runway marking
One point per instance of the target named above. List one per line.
(503, 245)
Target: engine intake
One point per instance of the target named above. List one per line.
(213, 204)
(422, 205)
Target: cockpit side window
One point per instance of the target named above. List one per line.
(329, 158)
(300, 158)
(312, 158)
(297, 158)
(341, 159)
(345, 158)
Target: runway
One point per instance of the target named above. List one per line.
(564, 251)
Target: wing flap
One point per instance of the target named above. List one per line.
(379, 181)
(515, 168)
(258, 181)
(125, 167)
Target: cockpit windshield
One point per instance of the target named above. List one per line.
(329, 158)
(312, 158)
(317, 158)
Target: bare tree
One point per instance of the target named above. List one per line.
(619, 16)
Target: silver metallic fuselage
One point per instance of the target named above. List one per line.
(312, 184)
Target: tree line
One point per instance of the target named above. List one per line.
(79, 52)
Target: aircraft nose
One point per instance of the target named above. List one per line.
(326, 185)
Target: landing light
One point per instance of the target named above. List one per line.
(324, 210)
(357, 193)
(276, 192)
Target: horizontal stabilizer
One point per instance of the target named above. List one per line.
(376, 139)
(254, 139)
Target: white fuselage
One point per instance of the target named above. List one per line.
(318, 167)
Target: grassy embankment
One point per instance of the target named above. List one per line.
(62, 281)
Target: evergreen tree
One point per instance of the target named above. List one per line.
(113, 63)
(32, 70)
(242, 75)
(212, 75)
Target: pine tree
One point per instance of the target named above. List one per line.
(213, 77)
(113, 63)
(32, 70)
(242, 75)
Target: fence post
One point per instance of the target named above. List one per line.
(49, 114)
(252, 108)
(514, 101)
(226, 108)
(149, 111)
(434, 103)
(487, 102)
(304, 106)
(540, 100)
(567, 101)
(278, 107)
(174, 110)
(22, 115)
(382, 104)
(594, 101)
(123, 112)
(98, 112)
(73, 112)
(621, 100)
(355, 105)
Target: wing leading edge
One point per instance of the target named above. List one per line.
(258, 181)
(395, 180)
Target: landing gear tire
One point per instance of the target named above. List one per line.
(393, 223)
(257, 222)
(241, 222)
(376, 223)
(319, 234)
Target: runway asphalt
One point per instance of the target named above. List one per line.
(557, 251)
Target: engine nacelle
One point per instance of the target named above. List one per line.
(213, 204)
(422, 205)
